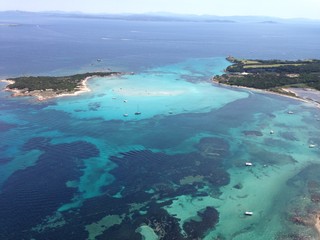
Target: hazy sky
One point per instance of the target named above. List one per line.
(275, 8)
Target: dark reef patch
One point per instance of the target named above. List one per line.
(79, 150)
(29, 195)
(5, 160)
(213, 147)
(238, 186)
(144, 183)
(253, 133)
(94, 106)
(142, 170)
(293, 236)
(165, 226)
(40, 143)
(278, 142)
(264, 157)
(303, 206)
(6, 126)
(288, 136)
(198, 229)
(168, 176)
(311, 181)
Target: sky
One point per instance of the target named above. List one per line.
(272, 8)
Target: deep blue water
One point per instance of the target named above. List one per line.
(76, 168)
(45, 45)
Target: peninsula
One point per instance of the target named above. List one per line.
(45, 87)
(279, 76)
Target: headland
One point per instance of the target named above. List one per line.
(290, 78)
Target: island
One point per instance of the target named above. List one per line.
(45, 87)
(291, 78)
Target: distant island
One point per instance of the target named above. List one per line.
(277, 76)
(155, 17)
(45, 87)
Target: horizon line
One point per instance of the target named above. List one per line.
(162, 13)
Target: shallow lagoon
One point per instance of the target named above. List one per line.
(76, 167)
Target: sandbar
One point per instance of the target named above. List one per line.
(293, 95)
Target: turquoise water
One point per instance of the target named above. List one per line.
(88, 167)
(77, 168)
(159, 91)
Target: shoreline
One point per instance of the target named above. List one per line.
(7, 81)
(43, 95)
(317, 223)
(259, 80)
(296, 97)
(81, 89)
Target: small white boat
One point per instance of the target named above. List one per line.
(312, 145)
(248, 213)
(271, 132)
(249, 164)
(290, 112)
(137, 112)
(125, 101)
(126, 115)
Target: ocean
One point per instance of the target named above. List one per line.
(89, 167)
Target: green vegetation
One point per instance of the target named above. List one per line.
(270, 65)
(272, 74)
(64, 83)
